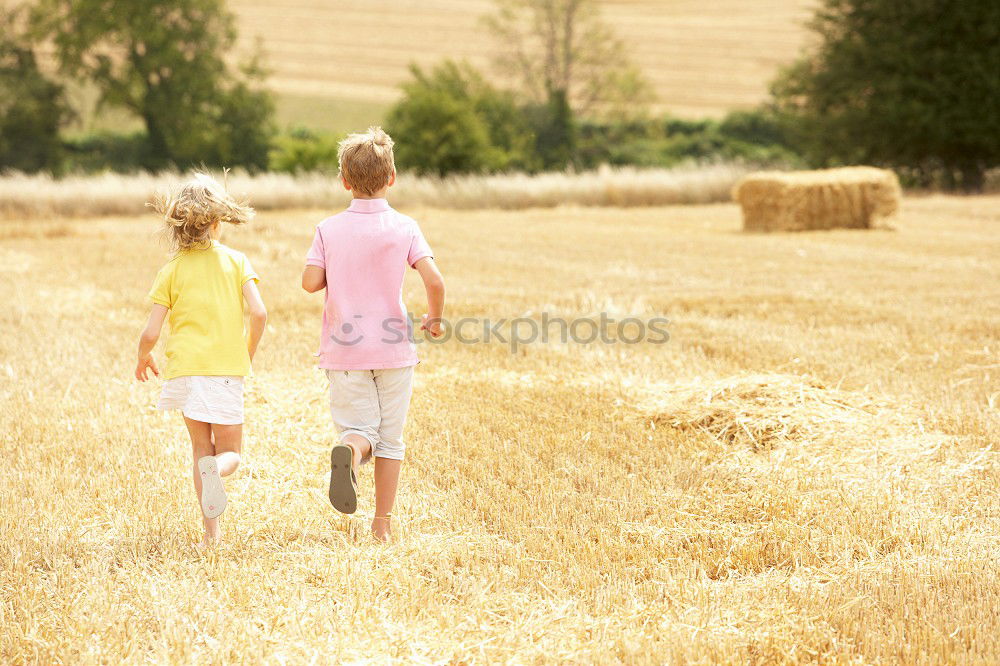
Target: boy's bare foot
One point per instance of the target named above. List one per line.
(382, 528)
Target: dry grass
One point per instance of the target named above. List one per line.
(38, 196)
(565, 504)
(763, 411)
(849, 198)
(702, 59)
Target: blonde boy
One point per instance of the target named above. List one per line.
(360, 255)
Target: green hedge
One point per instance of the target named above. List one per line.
(756, 137)
(487, 133)
(104, 151)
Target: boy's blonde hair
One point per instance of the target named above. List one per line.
(192, 210)
(366, 160)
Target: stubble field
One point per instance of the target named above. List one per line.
(805, 472)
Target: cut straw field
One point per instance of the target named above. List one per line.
(805, 472)
(703, 59)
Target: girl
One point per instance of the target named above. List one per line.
(204, 289)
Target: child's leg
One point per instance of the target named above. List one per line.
(355, 410)
(228, 446)
(201, 446)
(395, 387)
(386, 484)
(361, 447)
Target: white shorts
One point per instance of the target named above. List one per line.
(373, 404)
(216, 400)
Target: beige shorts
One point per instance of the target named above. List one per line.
(216, 400)
(373, 404)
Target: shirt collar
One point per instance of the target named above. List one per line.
(368, 205)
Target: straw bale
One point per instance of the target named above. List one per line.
(851, 198)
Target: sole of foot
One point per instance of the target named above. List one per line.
(213, 494)
(343, 483)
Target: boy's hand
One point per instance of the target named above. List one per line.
(145, 363)
(432, 326)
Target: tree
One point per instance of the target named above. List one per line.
(556, 131)
(163, 60)
(32, 107)
(561, 50)
(911, 85)
(454, 121)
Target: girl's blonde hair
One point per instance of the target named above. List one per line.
(192, 210)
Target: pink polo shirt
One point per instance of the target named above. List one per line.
(365, 251)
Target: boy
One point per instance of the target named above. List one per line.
(360, 256)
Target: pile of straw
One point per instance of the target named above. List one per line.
(763, 410)
(852, 198)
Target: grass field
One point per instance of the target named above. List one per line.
(806, 472)
(703, 59)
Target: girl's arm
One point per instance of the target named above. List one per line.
(258, 315)
(434, 284)
(147, 340)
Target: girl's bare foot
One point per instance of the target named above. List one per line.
(213, 532)
(382, 528)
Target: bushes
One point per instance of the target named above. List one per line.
(303, 150)
(454, 121)
(451, 120)
(32, 108)
(121, 153)
(757, 137)
(443, 135)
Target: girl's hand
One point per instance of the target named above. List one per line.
(145, 363)
(432, 326)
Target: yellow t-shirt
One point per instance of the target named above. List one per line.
(204, 291)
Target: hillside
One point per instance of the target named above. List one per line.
(702, 58)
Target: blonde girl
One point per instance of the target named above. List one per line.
(205, 289)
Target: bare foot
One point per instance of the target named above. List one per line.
(382, 528)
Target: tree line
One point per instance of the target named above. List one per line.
(907, 85)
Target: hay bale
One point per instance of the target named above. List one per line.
(852, 198)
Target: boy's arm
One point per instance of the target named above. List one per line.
(258, 315)
(313, 278)
(434, 284)
(147, 340)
